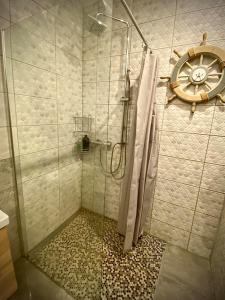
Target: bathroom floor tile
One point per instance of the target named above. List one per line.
(35, 285)
(86, 259)
(183, 275)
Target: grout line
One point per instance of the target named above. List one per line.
(161, 126)
(182, 230)
(200, 9)
(204, 163)
(185, 207)
(186, 184)
(57, 118)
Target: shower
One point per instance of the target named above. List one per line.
(97, 28)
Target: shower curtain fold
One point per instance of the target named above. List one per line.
(138, 185)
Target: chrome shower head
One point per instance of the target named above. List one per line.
(97, 26)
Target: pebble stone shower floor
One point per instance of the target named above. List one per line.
(86, 259)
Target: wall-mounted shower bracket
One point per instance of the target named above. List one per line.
(124, 99)
(108, 144)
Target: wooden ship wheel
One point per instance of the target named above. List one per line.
(199, 74)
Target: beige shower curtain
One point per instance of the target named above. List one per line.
(141, 167)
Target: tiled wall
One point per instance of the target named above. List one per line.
(190, 185)
(190, 190)
(7, 191)
(46, 59)
(101, 97)
(218, 260)
(47, 75)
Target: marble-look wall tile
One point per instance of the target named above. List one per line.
(200, 245)
(4, 145)
(205, 225)
(104, 44)
(68, 39)
(171, 234)
(35, 111)
(39, 163)
(117, 67)
(33, 18)
(171, 214)
(66, 134)
(32, 81)
(115, 115)
(32, 49)
(116, 91)
(37, 138)
(119, 42)
(189, 27)
(103, 89)
(89, 71)
(192, 5)
(4, 24)
(111, 207)
(67, 110)
(90, 47)
(103, 69)
(4, 9)
(184, 145)
(213, 178)
(68, 91)
(180, 170)
(9, 88)
(210, 203)
(41, 201)
(68, 155)
(176, 193)
(218, 127)
(89, 91)
(179, 118)
(218, 259)
(4, 114)
(6, 179)
(70, 189)
(68, 65)
(215, 151)
(71, 13)
(101, 114)
(153, 9)
(158, 33)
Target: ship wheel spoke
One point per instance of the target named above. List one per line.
(215, 74)
(208, 85)
(212, 63)
(186, 85)
(201, 60)
(183, 76)
(196, 89)
(189, 65)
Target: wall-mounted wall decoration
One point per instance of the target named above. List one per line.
(199, 74)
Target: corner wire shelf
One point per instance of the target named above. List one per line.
(83, 125)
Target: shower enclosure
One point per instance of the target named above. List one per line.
(65, 75)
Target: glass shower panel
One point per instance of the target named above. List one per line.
(96, 77)
(8, 188)
(47, 74)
